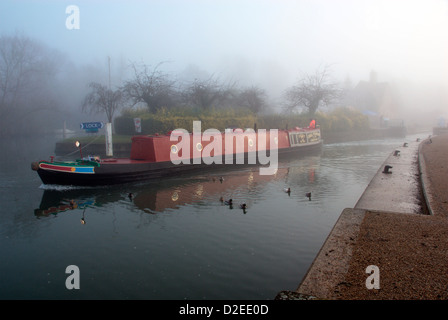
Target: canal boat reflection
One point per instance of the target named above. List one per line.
(170, 194)
(60, 204)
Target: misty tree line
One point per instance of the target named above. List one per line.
(156, 90)
(36, 90)
(27, 74)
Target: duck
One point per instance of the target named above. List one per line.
(287, 190)
(243, 206)
(221, 179)
(308, 194)
(228, 202)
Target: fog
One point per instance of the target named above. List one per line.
(264, 43)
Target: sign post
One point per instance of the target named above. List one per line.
(109, 144)
(92, 126)
(138, 124)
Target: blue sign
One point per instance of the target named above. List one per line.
(92, 125)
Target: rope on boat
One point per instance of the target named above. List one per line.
(71, 153)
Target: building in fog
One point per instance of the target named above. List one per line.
(376, 100)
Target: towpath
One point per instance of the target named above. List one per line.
(388, 230)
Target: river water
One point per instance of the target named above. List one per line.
(175, 239)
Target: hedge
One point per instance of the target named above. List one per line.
(341, 119)
(125, 125)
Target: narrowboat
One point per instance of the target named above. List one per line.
(156, 156)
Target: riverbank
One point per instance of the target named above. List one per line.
(408, 246)
(95, 145)
(330, 137)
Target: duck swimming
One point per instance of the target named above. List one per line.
(243, 206)
(308, 194)
(287, 190)
(228, 202)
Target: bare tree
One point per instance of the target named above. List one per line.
(101, 99)
(312, 91)
(253, 98)
(207, 93)
(152, 87)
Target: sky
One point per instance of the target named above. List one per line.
(268, 43)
